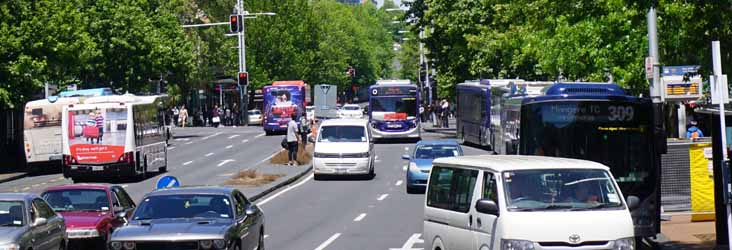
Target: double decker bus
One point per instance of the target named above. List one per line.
(42, 128)
(601, 123)
(114, 136)
(394, 109)
(281, 100)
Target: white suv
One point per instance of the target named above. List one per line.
(525, 203)
(343, 147)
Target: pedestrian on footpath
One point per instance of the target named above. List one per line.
(176, 115)
(215, 116)
(183, 116)
(292, 141)
(445, 113)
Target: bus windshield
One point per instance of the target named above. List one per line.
(406, 105)
(615, 134)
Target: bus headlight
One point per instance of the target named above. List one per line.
(516, 245)
(624, 244)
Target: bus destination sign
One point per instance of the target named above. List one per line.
(393, 91)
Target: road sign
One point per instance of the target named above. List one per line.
(167, 182)
(649, 67)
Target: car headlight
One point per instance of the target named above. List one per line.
(205, 244)
(413, 167)
(219, 244)
(82, 233)
(128, 245)
(624, 244)
(115, 245)
(10, 246)
(516, 245)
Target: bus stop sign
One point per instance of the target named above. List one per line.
(167, 182)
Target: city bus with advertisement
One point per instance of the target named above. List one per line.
(601, 123)
(42, 128)
(487, 112)
(281, 100)
(394, 109)
(114, 137)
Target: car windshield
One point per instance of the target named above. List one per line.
(436, 151)
(351, 108)
(183, 207)
(548, 189)
(77, 200)
(11, 214)
(342, 134)
(254, 112)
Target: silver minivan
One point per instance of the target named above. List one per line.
(525, 203)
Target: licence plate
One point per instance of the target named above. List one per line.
(394, 126)
(55, 157)
(341, 171)
(97, 168)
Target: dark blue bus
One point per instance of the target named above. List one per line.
(394, 109)
(601, 123)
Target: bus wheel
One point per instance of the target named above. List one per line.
(267, 133)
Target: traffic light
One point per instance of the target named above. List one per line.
(243, 78)
(235, 23)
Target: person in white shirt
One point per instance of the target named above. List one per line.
(292, 141)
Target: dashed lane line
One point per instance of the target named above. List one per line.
(230, 146)
(328, 241)
(245, 141)
(224, 162)
(233, 136)
(208, 137)
(259, 135)
(360, 217)
(382, 197)
(209, 154)
(171, 148)
(398, 183)
(186, 163)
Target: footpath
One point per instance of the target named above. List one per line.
(679, 233)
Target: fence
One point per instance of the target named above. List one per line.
(686, 180)
(11, 138)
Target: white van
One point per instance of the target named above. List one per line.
(343, 147)
(525, 203)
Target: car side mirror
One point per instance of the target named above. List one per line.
(405, 157)
(251, 210)
(39, 222)
(633, 202)
(486, 206)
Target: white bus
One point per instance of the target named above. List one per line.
(128, 141)
(42, 128)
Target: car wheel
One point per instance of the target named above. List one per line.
(317, 177)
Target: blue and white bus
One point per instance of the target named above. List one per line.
(394, 109)
(601, 123)
(487, 112)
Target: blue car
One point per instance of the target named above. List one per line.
(420, 161)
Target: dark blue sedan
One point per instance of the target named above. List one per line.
(420, 161)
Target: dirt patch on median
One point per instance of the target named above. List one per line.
(304, 155)
(252, 178)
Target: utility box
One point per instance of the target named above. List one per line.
(325, 101)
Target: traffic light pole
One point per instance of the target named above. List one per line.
(243, 93)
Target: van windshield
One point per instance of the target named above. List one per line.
(342, 134)
(557, 189)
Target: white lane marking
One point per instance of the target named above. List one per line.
(209, 154)
(327, 242)
(382, 197)
(124, 186)
(399, 183)
(207, 137)
(186, 163)
(171, 148)
(224, 162)
(189, 143)
(376, 157)
(404, 168)
(377, 161)
(285, 190)
(182, 139)
(406, 148)
(360, 217)
(409, 245)
(268, 157)
(233, 136)
(259, 135)
(245, 141)
(266, 236)
(230, 146)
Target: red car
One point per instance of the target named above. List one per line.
(92, 211)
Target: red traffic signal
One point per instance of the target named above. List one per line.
(243, 78)
(235, 23)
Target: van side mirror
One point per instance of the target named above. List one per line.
(633, 202)
(405, 157)
(486, 206)
(39, 222)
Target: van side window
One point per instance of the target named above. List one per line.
(451, 188)
(490, 190)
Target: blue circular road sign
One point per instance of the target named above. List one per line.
(167, 182)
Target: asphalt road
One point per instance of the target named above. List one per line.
(350, 213)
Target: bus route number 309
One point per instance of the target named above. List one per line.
(620, 113)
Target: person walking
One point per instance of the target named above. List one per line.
(216, 116)
(292, 141)
(445, 113)
(421, 113)
(304, 129)
(183, 116)
(176, 115)
(228, 116)
(236, 115)
(99, 119)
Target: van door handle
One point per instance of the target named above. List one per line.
(480, 224)
(470, 220)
